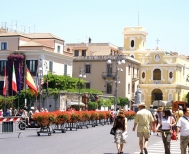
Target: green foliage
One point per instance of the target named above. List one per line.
(105, 103)
(187, 96)
(123, 101)
(92, 105)
(89, 91)
(62, 82)
(8, 101)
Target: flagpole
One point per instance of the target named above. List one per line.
(18, 86)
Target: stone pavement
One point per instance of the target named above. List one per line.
(94, 140)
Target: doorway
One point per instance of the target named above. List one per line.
(156, 95)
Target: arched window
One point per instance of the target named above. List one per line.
(157, 74)
(132, 43)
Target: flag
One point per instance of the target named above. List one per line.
(30, 82)
(5, 82)
(14, 85)
(19, 84)
(47, 82)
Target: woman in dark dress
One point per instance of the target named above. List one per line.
(120, 124)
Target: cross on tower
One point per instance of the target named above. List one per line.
(157, 41)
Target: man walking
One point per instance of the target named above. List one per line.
(144, 119)
(183, 128)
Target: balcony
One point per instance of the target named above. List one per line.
(156, 81)
(111, 93)
(108, 76)
(135, 77)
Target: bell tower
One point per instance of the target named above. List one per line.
(134, 38)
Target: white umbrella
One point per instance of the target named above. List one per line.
(159, 103)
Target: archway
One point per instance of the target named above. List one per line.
(156, 95)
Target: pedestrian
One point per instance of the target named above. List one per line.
(120, 123)
(7, 112)
(183, 128)
(143, 119)
(167, 123)
(1, 113)
(179, 113)
(159, 118)
(111, 116)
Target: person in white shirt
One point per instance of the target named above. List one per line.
(183, 128)
(167, 122)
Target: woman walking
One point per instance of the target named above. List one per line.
(120, 124)
(167, 122)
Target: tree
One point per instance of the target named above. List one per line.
(187, 96)
(123, 101)
(92, 105)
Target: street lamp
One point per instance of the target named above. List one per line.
(81, 75)
(119, 60)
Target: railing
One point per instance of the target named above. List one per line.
(135, 77)
(108, 92)
(105, 57)
(157, 81)
(107, 75)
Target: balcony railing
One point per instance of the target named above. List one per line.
(108, 93)
(107, 75)
(135, 77)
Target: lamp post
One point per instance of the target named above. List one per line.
(119, 60)
(81, 75)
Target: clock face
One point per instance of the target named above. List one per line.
(157, 57)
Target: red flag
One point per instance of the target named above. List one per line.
(5, 83)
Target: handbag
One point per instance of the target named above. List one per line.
(173, 132)
(113, 131)
(174, 135)
(124, 135)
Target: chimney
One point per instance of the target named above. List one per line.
(89, 40)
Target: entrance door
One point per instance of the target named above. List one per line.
(156, 95)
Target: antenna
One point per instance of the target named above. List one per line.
(138, 18)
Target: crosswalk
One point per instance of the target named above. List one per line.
(158, 148)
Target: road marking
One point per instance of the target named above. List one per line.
(158, 148)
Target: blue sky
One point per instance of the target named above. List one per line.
(103, 20)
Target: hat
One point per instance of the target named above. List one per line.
(32, 108)
(160, 109)
(142, 104)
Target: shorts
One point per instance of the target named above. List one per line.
(143, 134)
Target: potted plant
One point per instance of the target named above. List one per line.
(85, 116)
(61, 117)
(44, 118)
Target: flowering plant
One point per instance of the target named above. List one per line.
(102, 114)
(130, 114)
(44, 118)
(61, 117)
(85, 115)
(75, 116)
(94, 115)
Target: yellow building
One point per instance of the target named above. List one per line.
(163, 75)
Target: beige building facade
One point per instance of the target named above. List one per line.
(40, 49)
(102, 76)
